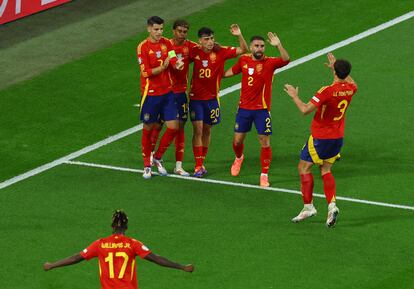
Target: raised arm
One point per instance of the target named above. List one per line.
(304, 108)
(162, 261)
(275, 41)
(64, 262)
(330, 65)
(235, 30)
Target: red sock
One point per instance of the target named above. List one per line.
(205, 150)
(198, 155)
(265, 159)
(154, 137)
(238, 149)
(306, 182)
(146, 146)
(179, 146)
(329, 187)
(165, 142)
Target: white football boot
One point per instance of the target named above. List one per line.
(308, 211)
(178, 170)
(147, 173)
(333, 212)
(161, 170)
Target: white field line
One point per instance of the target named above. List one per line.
(234, 184)
(223, 92)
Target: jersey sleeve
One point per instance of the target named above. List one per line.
(320, 96)
(236, 69)
(143, 60)
(278, 62)
(230, 52)
(91, 251)
(140, 249)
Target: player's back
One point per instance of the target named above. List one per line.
(117, 265)
(332, 102)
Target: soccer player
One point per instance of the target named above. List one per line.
(326, 139)
(255, 100)
(182, 46)
(209, 59)
(116, 255)
(158, 102)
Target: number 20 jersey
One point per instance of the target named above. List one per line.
(332, 102)
(207, 71)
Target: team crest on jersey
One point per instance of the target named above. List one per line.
(163, 48)
(179, 56)
(158, 54)
(251, 70)
(205, 63)
(259, 68)
(146, 116)
(213, 57)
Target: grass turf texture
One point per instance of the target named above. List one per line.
(236, 237)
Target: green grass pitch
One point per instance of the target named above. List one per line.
(237, 237)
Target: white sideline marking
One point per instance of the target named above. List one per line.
(71, 156)
(223, 92)
(234, 184)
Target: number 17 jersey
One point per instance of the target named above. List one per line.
(116, 255)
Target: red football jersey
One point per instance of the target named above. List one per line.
(208, 71)
(116, 255)
(152, 55)
(257, 77)
(332, 102)
(180, 77)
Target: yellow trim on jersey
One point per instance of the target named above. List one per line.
(217, 91)
(132, 268)
(314, 154)
(322, 89)
(144, 95)
(263, 97)
(100, 270)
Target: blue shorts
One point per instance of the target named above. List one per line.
(206, 110)
(260, 117)
(319, 150)
(154, 108)
(182, 105)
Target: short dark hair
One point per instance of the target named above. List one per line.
(119, 220)
(182, 23)
(204, 31)
(155, 20)
(342, 68)
(256, 37)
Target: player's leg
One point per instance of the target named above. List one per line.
(329, 189)
(149, 116)
(182, 107)
(306, 180)
(169, 114)
(263, 123)
(206, 139)
(154, 138)
(241, 128)
(265, 159)
(197, 116)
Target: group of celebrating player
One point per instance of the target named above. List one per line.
(164, 66)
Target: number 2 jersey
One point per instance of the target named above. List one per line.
(257, 77)
(116, 254)
(332, 102)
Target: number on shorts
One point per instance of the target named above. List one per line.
(268, 122)
(215, 113)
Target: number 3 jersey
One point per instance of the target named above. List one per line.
(332, 102)
(257, 77)
(207, 71)
(116, 255)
